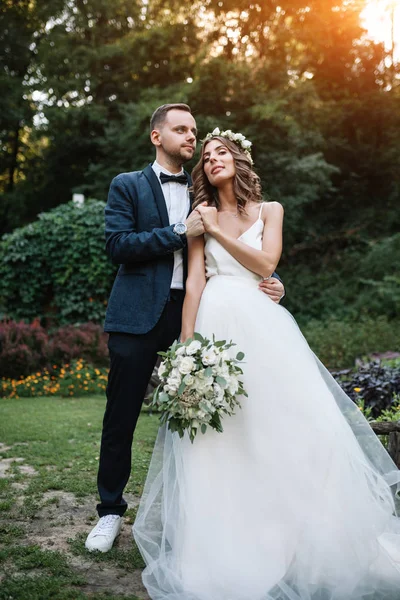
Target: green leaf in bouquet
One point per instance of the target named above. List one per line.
(216, 423)
(220, 343)
(164, 418)
(230, 344)
(173, 425)
(161, 353)
(198, 337)
(205, 407)
(154, 397)
(181, 388)
(203, 428)
(240, 356)
(208, 372)
(221, 381)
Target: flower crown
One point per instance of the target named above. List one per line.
(238, 138)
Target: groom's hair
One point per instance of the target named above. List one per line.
(160, 114)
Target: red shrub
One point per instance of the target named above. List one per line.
(23, 348)
(87, 341)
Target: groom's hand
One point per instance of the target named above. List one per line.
(273, 288)
(194, 225)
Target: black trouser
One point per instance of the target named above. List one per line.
(132, 360)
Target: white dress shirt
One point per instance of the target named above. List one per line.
(177, 201)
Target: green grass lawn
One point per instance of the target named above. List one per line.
(47, 502)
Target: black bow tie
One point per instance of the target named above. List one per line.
(164, 178)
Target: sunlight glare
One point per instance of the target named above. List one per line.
(377, 20)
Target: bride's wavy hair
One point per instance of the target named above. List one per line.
(246, 183)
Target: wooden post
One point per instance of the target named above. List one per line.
(392, 429)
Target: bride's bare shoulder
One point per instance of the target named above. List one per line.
(273, 208)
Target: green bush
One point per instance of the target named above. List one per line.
(56, 268)
(337, 342)
(360, 280)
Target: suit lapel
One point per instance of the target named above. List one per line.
(158, 194)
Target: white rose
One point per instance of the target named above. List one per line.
(208, 356)
(223, 371)
(189, 379)
(171, 391)
(202, 384)
(193, 347)
(239, 137)
(218, 391)
(181, 350)
(174, 380)
(246, 144)
(199, 386)
(186, 365)
(233, 386)
(216, 131)
(161, 369)
(175, 374)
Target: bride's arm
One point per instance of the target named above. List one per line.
(263, 262)
(195, 284)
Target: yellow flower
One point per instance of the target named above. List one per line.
(78, 376)
(357, 390)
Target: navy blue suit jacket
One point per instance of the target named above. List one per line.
(140, 239)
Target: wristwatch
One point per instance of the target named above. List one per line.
(180, 229)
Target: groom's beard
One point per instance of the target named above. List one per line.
(181, 156)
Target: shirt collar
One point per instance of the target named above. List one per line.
(157, 168)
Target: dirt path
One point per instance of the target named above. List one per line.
(61, 518)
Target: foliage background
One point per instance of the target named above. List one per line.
(300, 78)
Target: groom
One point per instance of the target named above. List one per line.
(147, 227)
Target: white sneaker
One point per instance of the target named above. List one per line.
(102, 536)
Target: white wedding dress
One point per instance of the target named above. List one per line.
(295, 500)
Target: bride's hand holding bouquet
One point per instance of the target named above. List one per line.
(199, 385)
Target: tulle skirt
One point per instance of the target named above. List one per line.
(295, 500)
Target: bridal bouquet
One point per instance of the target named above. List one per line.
(199, 384)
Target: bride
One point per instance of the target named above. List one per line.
(295, 500)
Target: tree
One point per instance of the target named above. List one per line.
(22, 30)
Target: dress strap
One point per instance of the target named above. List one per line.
(261, 207)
